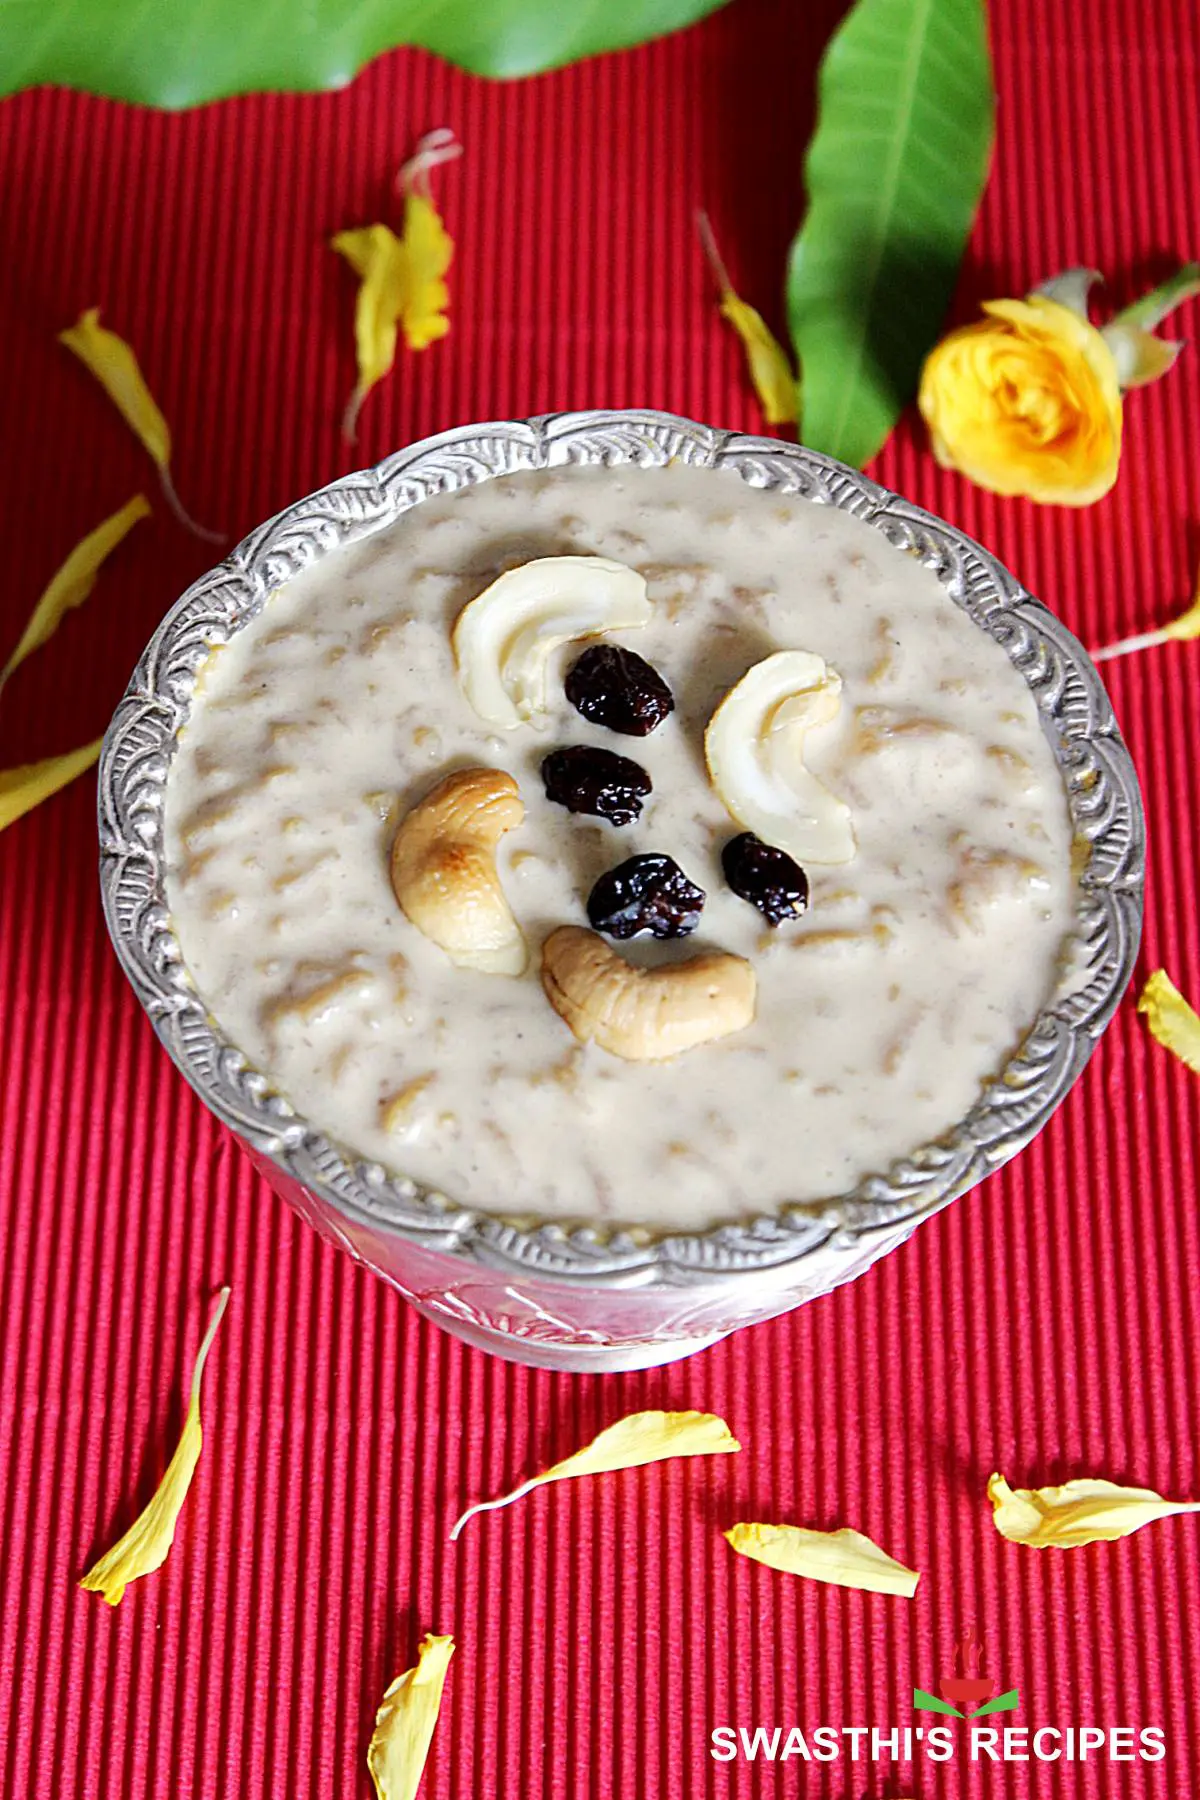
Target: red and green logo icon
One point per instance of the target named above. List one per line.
(970, 1693)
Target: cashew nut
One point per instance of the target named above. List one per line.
(503, 638)
(755, 746)
(644, 1015)
(444, 870)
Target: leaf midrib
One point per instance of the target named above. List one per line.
(921, 17)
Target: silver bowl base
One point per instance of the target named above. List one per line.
(569, 1359)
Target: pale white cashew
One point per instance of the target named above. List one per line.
(444, 870)
(644, 1015)
(503, 637)
(754, 747)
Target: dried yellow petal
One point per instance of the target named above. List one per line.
(1187, 625)
(766, 359)
(405, 1722)
(377, 257)
(769, 368)
(115, 366)
(1172, 1022)
(427, 243)
(113, 363)
(639, 1438)
(402, 279)
(843, 1558)
(145, 1545)
(429, 250)
(1079, 1512)
(23, 788)
(74, 581)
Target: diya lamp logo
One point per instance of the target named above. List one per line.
(969, 1693)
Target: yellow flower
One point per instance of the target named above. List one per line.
(1026, 401)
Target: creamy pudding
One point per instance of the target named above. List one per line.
(940, 895)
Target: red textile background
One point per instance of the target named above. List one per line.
(1045, 1326)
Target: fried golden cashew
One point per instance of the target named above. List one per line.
(444, 870)
(644, 1015)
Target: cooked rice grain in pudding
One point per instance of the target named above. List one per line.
(913, 975)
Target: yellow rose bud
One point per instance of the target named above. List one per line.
(1026, 401)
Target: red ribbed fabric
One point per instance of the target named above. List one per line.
(1046, 1326)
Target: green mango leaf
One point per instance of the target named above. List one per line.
(894, 173)
(175, 53)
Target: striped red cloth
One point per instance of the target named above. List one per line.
(1045, 1326)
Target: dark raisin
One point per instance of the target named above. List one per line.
(766, 877)
(647, 893)
(618, 689)
(587, 780)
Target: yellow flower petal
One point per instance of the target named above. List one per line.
(113, 363)
(1187, 625)
(1172, 1022)
(74, 581)
(843, 1558)
(642, 1437)
(145, 1545)
(405, 1722)
(377, 257)
(770, 370)
(766, 359)
(428, 250)
(1061, 324)
(23, 788)
(428, 245)
(402, 278)
(1080, 1512)
(400, 285)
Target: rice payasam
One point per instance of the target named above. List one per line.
(877, 1015)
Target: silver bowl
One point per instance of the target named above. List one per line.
(581, 1299)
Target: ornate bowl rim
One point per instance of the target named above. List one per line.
(1101, 787)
